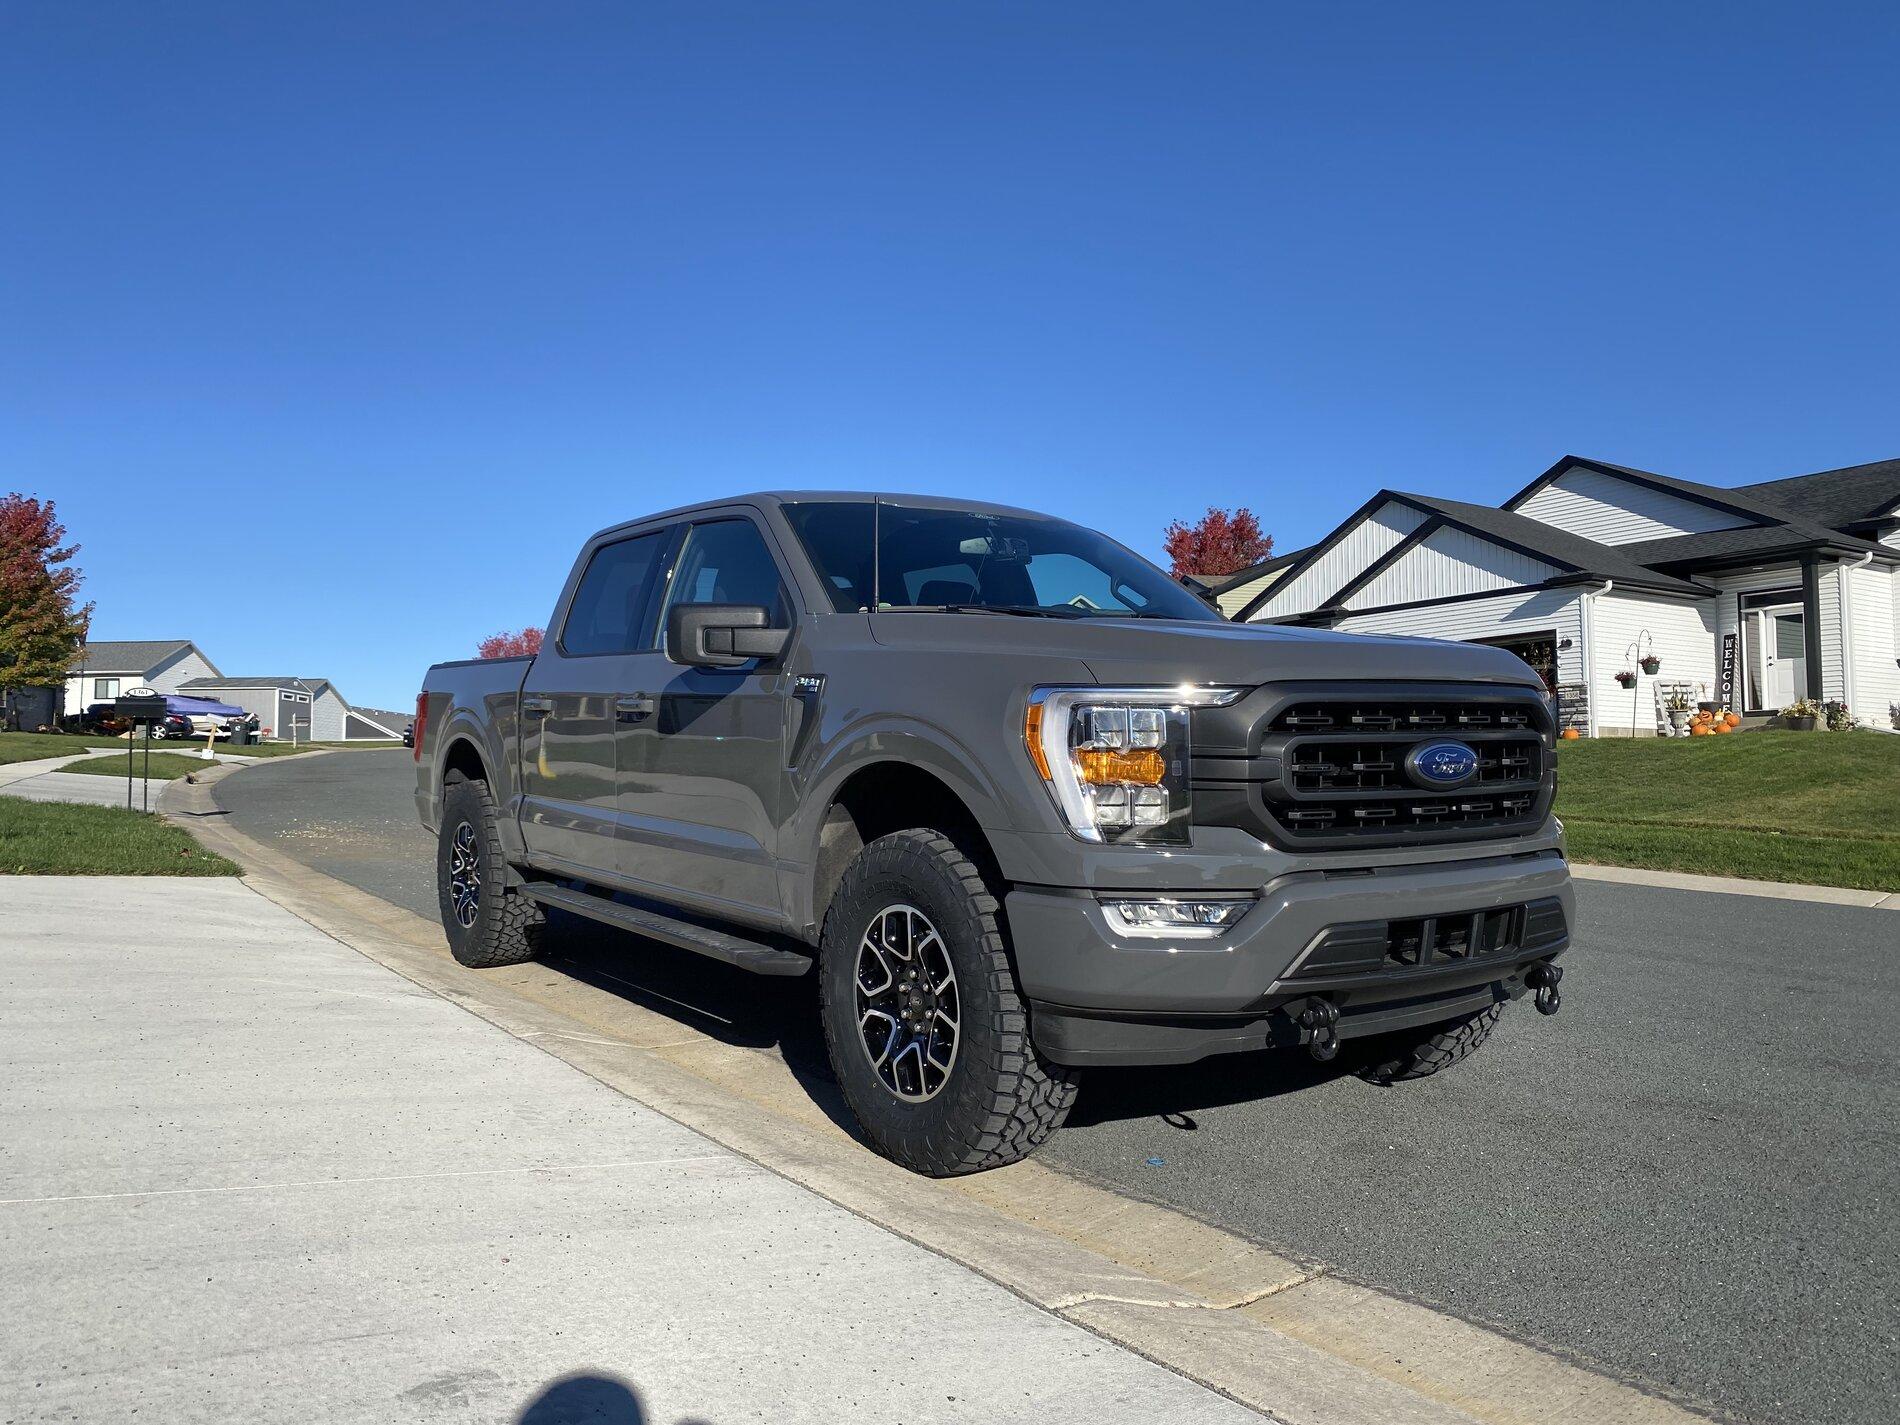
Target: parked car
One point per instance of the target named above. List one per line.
(1021, 802)
(173, 725)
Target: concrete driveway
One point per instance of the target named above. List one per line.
(248, 1174)
(1688, 1169)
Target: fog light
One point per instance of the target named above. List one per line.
(1173, 919)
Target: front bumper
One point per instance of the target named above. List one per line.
(1101, 998)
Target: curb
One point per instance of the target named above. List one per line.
(1285, 1337)
(1736, 886)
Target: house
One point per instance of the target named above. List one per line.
(102, 671)
(1233, 592)
(298, 709)
(1773, 591)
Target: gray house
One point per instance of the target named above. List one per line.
(298, 709)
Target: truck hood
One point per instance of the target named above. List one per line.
(1140, 651)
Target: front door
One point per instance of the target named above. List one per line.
(1777, 656)
(571, 708)
(702, 773)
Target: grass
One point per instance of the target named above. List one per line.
(1819, 808)
(165, 766)
(32, 746)
(61, 839)
(285, 749)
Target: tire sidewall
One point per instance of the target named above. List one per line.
(465, 801)
(907, 873)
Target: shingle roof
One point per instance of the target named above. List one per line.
(295, 685)
(133, 657)
(1791, 537)
(1222, 582)
(1852, 495)
(1573, 551)
(394, 721)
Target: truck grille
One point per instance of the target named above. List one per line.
(1331, 770)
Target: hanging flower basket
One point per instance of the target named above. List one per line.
(1626, 678)
(1652, 665)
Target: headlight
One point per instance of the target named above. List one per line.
(1116, 760)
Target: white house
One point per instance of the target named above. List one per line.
(1776, 591)
(104, 670)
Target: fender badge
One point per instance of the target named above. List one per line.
(809, 684)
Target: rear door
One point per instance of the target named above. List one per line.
(602, 648)
(703, 775)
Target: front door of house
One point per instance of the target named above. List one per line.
(1778, 655)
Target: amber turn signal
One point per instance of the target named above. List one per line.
(1143, 768)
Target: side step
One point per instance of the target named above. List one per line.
(753, 955)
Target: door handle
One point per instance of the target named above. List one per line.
(635, 704)
(537, 705)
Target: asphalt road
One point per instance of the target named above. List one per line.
(1688, 1178)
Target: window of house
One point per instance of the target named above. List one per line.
(104, 690)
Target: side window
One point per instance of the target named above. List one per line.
(726, 562)
(605, 616)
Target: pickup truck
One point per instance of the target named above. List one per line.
(1023, 803)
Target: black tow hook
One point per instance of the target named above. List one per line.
(1543, 979)
(1321, 1017)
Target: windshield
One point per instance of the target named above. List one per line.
(960, 559)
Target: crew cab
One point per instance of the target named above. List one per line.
(1020, 801)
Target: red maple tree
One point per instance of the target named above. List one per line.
(41, 624)
(510, 644)
(1217, 543)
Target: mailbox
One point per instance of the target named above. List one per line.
(141, 707)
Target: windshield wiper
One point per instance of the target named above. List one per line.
(1019, 610)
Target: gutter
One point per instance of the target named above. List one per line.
(1587, 627)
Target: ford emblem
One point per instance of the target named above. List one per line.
(1441, 764)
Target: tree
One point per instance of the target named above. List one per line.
(1218, 543)
(41, 624)
(508, 644)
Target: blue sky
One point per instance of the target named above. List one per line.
(334, 329)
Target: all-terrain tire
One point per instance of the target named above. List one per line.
(1420, 1053)
(1000, 1099)
(506, 927)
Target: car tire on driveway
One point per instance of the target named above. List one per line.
(488, 925)
(911, 946)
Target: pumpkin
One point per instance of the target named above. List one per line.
(1724, 728)
(1701, 729)
(1571, 734)
(1733, 719)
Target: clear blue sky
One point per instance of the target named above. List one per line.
(333, 328)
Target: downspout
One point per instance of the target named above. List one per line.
(1847, 624)
(1587, 626)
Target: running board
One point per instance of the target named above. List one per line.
(753, 955)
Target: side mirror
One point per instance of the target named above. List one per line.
(721, 635)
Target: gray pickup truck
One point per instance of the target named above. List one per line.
(1023, 803)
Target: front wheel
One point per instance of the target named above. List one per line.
(927, 1030)
(488, 925)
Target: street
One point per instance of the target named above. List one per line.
(1685, 1178)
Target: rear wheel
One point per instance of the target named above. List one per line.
(1420, 1053)
(927, 1030)
(488, 925)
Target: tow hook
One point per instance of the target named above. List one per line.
(1543, 978)
(1321, 1018)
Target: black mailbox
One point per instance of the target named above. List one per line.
(141, 707)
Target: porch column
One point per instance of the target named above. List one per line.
(1811, 621)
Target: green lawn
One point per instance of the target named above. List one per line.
(32, 746)
(60, 839)
(285, 749)
(162, 765)
(1821, 808)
